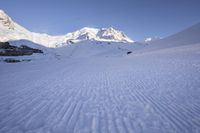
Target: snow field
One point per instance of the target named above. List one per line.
(107, 92)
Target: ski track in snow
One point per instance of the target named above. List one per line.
(141, 93)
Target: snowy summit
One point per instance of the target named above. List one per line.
(104, 34)
(10, 30)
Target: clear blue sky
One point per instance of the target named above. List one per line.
(137, 18)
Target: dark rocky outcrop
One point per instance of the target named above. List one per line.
(12, 60)
(70, 41)
(6, 45)
(24, 47)
(8, 50)
(129, 52)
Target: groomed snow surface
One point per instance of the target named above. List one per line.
(98, 88)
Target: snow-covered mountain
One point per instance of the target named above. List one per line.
(151, 39)
(148, 40)
(104, 34)
(10, 30)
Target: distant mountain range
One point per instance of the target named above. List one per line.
(10, 31)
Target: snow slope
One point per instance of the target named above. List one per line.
(100, 89)
(10, 30)
(188, 36)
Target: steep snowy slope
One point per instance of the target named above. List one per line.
(188, 36)
(10, 30)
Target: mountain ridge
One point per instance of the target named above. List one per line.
(10, 31)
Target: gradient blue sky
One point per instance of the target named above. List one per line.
(137, 18)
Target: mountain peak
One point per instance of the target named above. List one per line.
(109, 29)
(103, 34)
(88, 29)
(2, 13)
(6, 20)
(114, 35)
